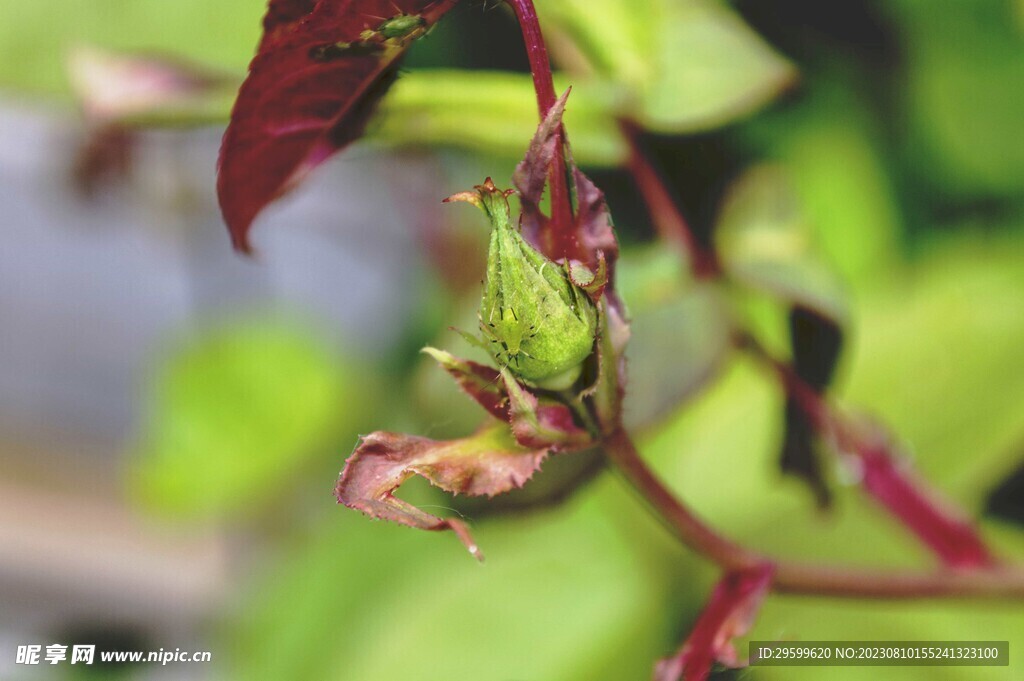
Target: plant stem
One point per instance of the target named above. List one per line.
(945, 529)
(690, 529)
(540, 66)
(800, 578)
(666, 217)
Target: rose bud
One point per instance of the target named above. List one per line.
(533, 319)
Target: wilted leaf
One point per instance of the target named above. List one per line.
(595, 233)
(320, 70)
(541, 424)
(729, 614)
(486, 463)
(531, 175)
(591, 237)
(482, 383)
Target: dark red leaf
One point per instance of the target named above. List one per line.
(730, 613)
(282, 17)
(480, 382)
(486, 463)
(321, 68)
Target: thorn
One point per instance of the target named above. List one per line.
(464, 535)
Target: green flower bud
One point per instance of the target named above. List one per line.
(534, 320)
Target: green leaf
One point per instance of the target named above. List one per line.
(934, 356)
(765, 241)
(490, 112)
(834, 158)
(235, 414)
(683, 65)
(493, 112)
(963, 76)
(592, 590)
(679, 333)
(939, 359)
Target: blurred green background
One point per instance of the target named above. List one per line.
(173, 418)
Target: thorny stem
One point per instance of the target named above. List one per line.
(666, 217)
(802, 578)
(540, 66)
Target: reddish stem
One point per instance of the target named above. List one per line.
(666, 217)
(562, 222)
(729, 613)
(947, 531)
(803, 578)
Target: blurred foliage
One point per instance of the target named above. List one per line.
(583, 589)
(36, 38)
(680, 333)
(686, 65)
(238, 413)
(494, 111)
(964, 69)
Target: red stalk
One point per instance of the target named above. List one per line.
(729, 613)
(562, 222)
(944, 529)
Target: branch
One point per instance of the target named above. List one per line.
(684, 523)
(540, 66)
(945, 529)
(801, 578)
(666, 217)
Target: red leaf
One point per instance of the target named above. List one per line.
(480, 382)
(537, 423)
(590, 237)
(531, 176)
(729, 613)
(486, 463)
(321, 68)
